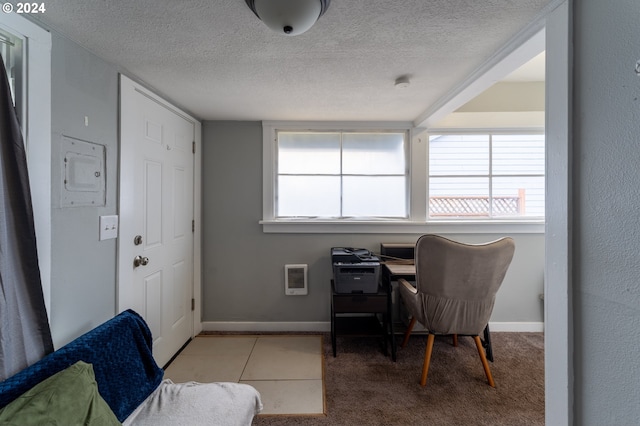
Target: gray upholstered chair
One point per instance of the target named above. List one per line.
(456, 286)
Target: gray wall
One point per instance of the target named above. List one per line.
(606, 242)
(243, 268)
(83, 274)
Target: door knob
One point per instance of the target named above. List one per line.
(139, 260)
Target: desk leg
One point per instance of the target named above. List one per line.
(333, 328)
(385, 331)
(386, 282)
(392, 336)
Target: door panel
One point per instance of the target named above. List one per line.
(178, 309)
(153, 131)
(156, 202)
(153, 301)
(153, 203)
(180, 218)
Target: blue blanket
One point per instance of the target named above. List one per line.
(120, 351)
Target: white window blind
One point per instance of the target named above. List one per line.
(341, 174)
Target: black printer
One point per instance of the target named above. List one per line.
(355, 270)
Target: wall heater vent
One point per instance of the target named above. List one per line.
(295, 280)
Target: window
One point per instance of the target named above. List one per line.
(486, 176)
(341, 174)
(366, 177)
(11, 51)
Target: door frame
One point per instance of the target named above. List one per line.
(125, 156)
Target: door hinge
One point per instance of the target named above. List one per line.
(193, 304)
(194, 147)
(193, 226)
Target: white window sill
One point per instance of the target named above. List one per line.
(401, 227)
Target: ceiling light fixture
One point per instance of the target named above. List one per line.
(289, 17)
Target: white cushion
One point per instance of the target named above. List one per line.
(197, 404)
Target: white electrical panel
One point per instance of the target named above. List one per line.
(83, 172)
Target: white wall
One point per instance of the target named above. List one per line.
(508, 96)
(503, 105)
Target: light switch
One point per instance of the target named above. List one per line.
(108, 227)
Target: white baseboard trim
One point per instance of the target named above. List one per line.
(270, 326)
(322, 326)
(519, 327)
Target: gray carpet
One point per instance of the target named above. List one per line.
(364, 387)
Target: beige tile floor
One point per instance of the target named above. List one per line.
(286, 370)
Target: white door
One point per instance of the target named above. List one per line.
(155, 258)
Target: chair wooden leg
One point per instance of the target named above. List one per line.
(408, 332)
(427, 359)
(483, 358)
(455, 340)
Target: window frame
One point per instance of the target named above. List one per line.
(270, 168)
(417, 189)
(342, 175)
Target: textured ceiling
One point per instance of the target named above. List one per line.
(218, 61)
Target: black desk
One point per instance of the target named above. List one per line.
(362, 303)
(394, 271)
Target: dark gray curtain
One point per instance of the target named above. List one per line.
(24, 329)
